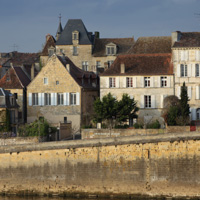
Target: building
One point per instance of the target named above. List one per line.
(186, 61)
(62, 92)
(148, 78)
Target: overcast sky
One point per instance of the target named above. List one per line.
(25, 23)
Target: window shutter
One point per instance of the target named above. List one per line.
(193, 70)
(193, 114)
(179, 92)
(142, 101)
(178, 70)
(186, 55)
(77, 98)
(159, 81)
(197, 92)
(197, 52)
(52, 99)
(107, 82)
(168, 81)
(124, 82)
(131, 96)
(117, 82)
(153, 101)
(182, 55)
(42, 99)
(55, 99)
(152, 81)
(189, 70)
(30, 99)
(39, 99)
(66, 99)
(189, 90)
(161, 101)
(142, 82)
(134, 82)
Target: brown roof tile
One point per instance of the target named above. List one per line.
(141, 64)
(148, 45)
(123, 45)
(188, 39)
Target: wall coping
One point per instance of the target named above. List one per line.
(169, 137)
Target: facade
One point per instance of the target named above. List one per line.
(86, 50)
(148, 78)
(186, 61)
(62, 91)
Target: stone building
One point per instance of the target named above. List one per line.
(62, 91)
(148, 78)
(186, 61)
(86, 50)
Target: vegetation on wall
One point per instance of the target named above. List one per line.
(109, 110)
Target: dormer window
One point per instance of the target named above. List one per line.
(111, 49)
(51, 51)
(75, 37)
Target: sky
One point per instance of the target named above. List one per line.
(25, 23)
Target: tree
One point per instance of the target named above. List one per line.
(112, 110)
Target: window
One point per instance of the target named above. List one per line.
(98, 64)
(72, 98)
(198, 114)
(47, 99)
(112, 83)
(35, 99)
(111, 50)
(110, 62)
(197, 70)
(146, 81)
(147, 101)
(57, 82)
(45, 81)
(75, 52)
(15, 95)
(183, 70)
(85, 65)
(75, 35)
(60, 99)
(51, 52)
(163, 81)
(129, 82)
(7, 78)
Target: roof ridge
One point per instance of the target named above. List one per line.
(143, 54)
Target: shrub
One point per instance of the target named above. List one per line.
(154, 125)
(138, 126)
(125, 126)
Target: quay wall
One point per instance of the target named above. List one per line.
(156, 165)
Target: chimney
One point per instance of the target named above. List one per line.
(68, 67)
(176, 36)
(122, 67)
(47, 37)
(97, 34)
(32, 72)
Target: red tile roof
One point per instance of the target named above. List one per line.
(148, 45)
(123, 45)
(141, 64)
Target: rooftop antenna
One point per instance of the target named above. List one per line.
(60, 18)
(15, 47)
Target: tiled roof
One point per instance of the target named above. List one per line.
(148, 45)
(123, 45)
(74, 25)
(15, 78)
(3, 60)
(77, 73)
(188, 39)
(142, 64)
(50, 42)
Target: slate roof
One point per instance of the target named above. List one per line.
(148, 45)
(15, 78)
(50, 42)
(141, 64)
(77, 73)
(123, 45)
(188, 39)
(60, 29)
(74, 25)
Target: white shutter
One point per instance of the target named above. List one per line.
(142, 82)
(161, 100)
(179, 92)
(158, 81)
(168, 81)
(197, 92)
(42, 99)
(152, 81)
(189, 70)
(117, 82)
(182, 56)
(193, 70)
(142, 101)
(107, 82)
(124, 82)
(39, 99)
(30, 99)
(193, 114)
(77, 98)
(178, 70)
(153, 101)
(197, 52)
(131, 96)
(52, 99)
(55, 99)
(66, 99)
(189, 91)
(186, 55)
(134, 82)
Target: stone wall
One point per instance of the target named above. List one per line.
(167, 164)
